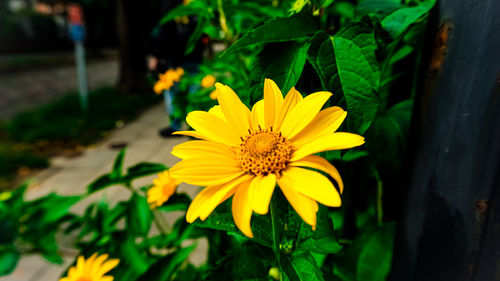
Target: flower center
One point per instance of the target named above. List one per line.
(263, 152)
(84, 279)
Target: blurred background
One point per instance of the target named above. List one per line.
(40, 112)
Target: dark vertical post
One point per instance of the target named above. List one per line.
(451, 228)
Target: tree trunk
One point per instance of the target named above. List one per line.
(451, 228)
(132, 34)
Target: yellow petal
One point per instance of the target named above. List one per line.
(273, 99)
(326, 122)
(312, 184)
(80, 265)
(303, 113)
(217, 111)
(333, 141)
(107, 278)
(262, 190)
(235, 111)
(193, 134)
(303, 205)
(320, 163)
(193, 149)
(242, 208)
(213, 128)
(108, 265)
(210, 197)
(97, 264)
(258, 115)
(291, 100)
(205, 172)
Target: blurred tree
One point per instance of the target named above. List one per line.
(133, 32)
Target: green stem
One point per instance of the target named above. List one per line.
(161, 223)
(275, 227)
(380, 209)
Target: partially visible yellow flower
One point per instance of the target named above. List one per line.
(179, 71)
(92, 269)
(167, 79)
(213, 94)
(245, 153)
(186, 2)
(164, 187)
(208, 81)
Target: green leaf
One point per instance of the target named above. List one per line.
(116, 172)
(312, 56)
(283, 64)
(222, 219)
(296, 27)
(301, 266)
(358, 76)
(143, 169)
(298, 5)
(379, 7)
(375, 259)
(323, 245)
(139, 217)
(55, 207)
(8, 260)
(131, 257)
(398, 21)
(165, 268)
(389, 134)
(102, 182)
(353, 154)
(177, 202)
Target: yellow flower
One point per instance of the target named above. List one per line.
(208, 81)
(92, 269)
(246, 152)
(179, 71)
(164, 187)
(213, 94)
(167, 79)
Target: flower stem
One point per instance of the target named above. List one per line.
(276, 231)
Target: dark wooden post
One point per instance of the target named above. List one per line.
(451, 227)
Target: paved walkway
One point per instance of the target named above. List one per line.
(24, 90)
(69, 176)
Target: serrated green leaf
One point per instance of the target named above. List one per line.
(357, 77)
(296, 27)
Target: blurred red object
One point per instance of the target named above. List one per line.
(75, 13)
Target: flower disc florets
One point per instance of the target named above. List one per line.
(263, 152)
